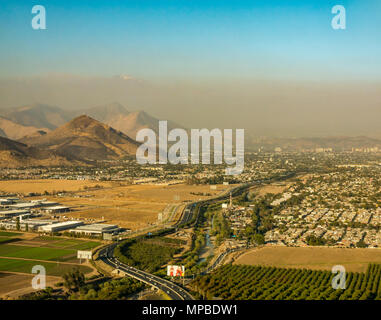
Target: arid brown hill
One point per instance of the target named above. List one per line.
(118, 117)
(87, 139)
(46, 118)
(15, 154)
(15, 131)
(37, 115)
(105, 113)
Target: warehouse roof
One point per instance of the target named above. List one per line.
(56, 208)
(97, 226)
(13, 212)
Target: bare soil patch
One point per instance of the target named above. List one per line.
(14, 285)
(318, 258)
(49, 185)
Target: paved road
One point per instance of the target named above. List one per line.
(174, 291)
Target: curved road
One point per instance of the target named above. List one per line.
(173, 290)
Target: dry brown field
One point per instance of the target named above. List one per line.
(275, 189)
(129, 206)
(132, 206)
(318, 258)
(13, 285)
(49, 185)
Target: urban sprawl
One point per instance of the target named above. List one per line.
(328, 199)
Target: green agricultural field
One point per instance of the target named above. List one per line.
(64, 243)
(19, 255)
(58, 245)
(25, 266)
(7, 239)
(67, 243)
(73, 244)
(36, 253)
(49, 238)
(85, 245)
(9, 234)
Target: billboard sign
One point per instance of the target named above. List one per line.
(175, 271)
(84, 254)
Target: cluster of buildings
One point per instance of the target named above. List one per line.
(239, 217)
(341, 208)
(38, 216)
(260, 166)
(42, 206)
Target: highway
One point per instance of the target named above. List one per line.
(174, 291)
(220, 258)
(188, 211)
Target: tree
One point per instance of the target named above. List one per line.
(74, 280)
(18, 224)
(361, 244)
(259, 239)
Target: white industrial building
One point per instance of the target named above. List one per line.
(33, 225)
(12, 213)
(11, 225)
(96, 228)
(5, 202)
(56, 209)
(61, 226)
(24, 206)
(44, 203)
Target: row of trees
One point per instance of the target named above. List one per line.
(262, 219)
(117, 289)
(190, 259)
(271, 283)
(78, 289)
(220, 227)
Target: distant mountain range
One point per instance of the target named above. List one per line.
(15, 154)
(85, 139)
(101, 133)
(118, 117)
(48, 135)
(15, 131)
(37, 115)
(15, 123)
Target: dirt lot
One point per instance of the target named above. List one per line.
(49, 185)
(14, 285)
(131, 206)
(272, 188)
(311, 257)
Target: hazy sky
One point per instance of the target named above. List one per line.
(274, 67)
